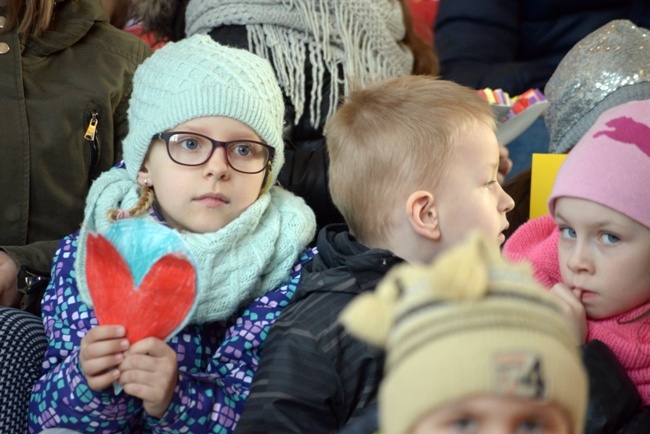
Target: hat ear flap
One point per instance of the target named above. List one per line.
(370, 315)
(462, 273)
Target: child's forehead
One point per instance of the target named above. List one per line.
(215, 124)
(493, 413)
(476, 135)
(475, 150)
(492, 406)
(491, 401)
(592, 213)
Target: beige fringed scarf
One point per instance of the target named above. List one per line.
(357, 41)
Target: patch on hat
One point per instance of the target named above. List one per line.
(628, 131)
(518, 373)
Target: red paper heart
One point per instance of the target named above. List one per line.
(155, 308)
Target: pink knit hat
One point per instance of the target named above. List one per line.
(610, 165)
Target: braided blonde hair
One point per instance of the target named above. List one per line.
(143, 205)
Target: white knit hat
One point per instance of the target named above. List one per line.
(197, 77)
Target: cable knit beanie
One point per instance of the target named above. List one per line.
(470, 324)
(610, 165)
(197, 77)
(608, 67)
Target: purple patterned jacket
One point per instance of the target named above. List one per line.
(216, 363)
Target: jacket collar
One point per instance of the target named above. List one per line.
(338, 247)
(344, 264)
(72, 21)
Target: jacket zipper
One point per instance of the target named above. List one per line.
(93, 140)
(92, 127)
(33, 276)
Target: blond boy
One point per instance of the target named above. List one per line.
(413, 169)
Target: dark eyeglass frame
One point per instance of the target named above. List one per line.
(215, 144)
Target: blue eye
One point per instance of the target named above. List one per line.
(610, 238)
(243, 150)
(190, 144)
(529, 427)
(464, 424)
(568, 232)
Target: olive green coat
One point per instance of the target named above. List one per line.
(50, 90)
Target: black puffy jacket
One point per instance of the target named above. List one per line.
(615, 406)
(314, 376)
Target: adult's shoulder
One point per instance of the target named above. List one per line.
(109, 40)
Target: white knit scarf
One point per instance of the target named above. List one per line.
(355, 41)
(250, 256)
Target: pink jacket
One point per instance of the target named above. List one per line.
(536, 241)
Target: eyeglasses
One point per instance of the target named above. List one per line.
(193, 149)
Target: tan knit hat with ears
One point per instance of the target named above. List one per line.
(469, 324)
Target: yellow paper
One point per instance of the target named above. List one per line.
(544, 170)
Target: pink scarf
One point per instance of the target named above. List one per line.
(536, 242)
(631, 344)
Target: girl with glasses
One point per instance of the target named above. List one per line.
(201, 157)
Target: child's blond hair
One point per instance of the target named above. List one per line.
(393, 138)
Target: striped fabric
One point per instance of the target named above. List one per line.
(22, 347)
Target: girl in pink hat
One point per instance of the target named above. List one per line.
(593, 250)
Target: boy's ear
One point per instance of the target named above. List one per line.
(423, 215)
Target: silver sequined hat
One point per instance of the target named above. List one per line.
(608, 67)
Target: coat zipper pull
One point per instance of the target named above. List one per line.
(92, 127)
